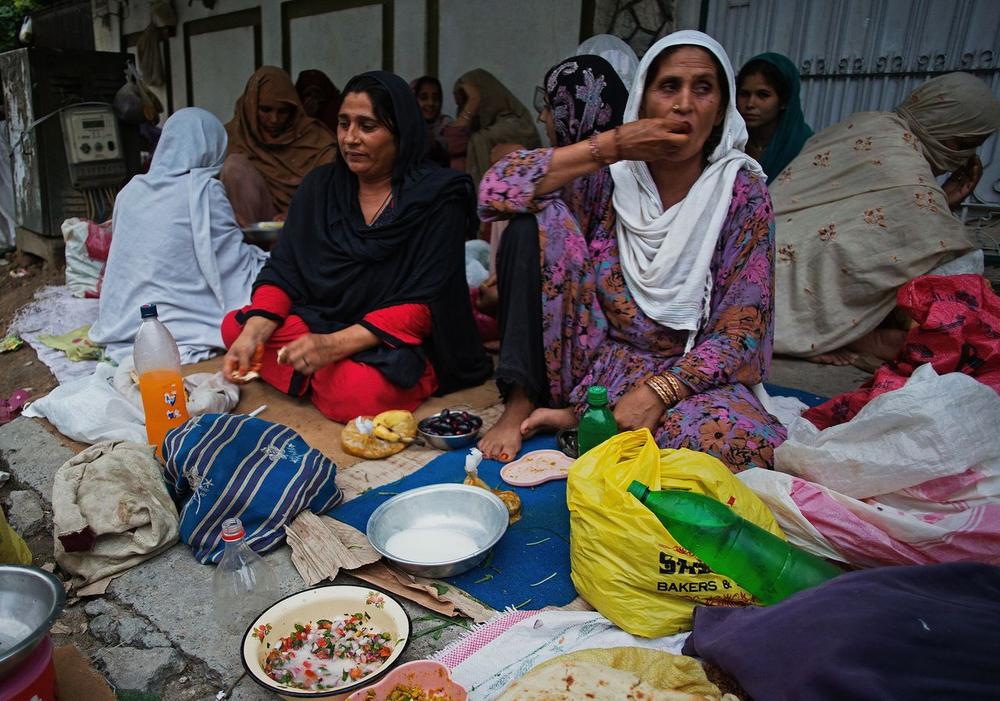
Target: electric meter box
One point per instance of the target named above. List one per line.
(46, 93)
(93, 146)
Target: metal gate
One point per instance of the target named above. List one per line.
(859, 56)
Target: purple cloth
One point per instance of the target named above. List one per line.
(918, 632)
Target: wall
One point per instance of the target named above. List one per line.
(860, 56)
(518, 41)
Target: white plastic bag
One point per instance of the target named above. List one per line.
(914, 478)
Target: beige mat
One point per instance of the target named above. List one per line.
(324, 435)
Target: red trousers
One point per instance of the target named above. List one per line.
(342, 390)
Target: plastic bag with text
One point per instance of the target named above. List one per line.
(624, 563)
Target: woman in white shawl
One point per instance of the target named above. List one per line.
(175, 243)
(860, 213)
(665, 297)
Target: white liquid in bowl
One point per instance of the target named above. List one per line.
(430, 545)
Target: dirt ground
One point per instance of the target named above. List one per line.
(21, 369)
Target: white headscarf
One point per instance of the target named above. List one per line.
(666, 256)
(613, 50)
(176, 243)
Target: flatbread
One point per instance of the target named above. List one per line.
(572, 681)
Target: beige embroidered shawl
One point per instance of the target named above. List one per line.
(858, 213)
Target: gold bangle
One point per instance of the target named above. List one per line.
(618, 143)
(675, 384)
(663, 390)
(595, 150)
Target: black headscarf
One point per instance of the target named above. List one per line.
(337, 269)
(586, 96)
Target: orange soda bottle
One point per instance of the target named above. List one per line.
(158, 364)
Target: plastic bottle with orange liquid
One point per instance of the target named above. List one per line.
(158, 364)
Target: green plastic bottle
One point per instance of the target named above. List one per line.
(765, 565)
(597, 423)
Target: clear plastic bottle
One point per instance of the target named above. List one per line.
(597, 423)
(243, 584)
(158, 365)
(768, 567)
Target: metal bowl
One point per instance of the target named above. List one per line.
(30, 600)
(461, 440)
(263, 233)
(439, 530)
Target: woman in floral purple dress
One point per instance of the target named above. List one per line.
(656, 274)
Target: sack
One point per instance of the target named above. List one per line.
(224, 466)
(83, 270)
(110, 511)
(623, 562)
(913, 479)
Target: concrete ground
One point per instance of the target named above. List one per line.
(153, 630)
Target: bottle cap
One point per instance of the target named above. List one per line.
(147, 311)
(597, 395)
(232, 529)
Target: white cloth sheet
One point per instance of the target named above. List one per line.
(53, 312)
(176, 243)
(509, 656)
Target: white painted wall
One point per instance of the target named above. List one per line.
(515, 41)
(341, 44)
(222, 62)
(410, 28)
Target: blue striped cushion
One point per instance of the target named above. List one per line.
(224, 465)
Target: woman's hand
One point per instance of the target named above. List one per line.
(239, 358)
(309, 353)
(647, 140)
(962, 182)
(640, 407)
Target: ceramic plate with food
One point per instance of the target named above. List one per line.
(326, 641)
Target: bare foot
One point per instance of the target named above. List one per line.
(548, 420)
(504, 440)
(838, 357)
(884, 344)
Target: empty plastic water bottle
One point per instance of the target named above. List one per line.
(243, 584)
(768, 567)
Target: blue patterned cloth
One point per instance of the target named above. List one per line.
(222, 466)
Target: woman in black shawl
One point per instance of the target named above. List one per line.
(364, 298)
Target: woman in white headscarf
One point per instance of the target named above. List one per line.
(860, 214)
(175, 243)
(665, 297)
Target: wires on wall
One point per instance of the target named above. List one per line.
(99, 202)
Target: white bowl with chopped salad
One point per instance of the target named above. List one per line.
(325, 642)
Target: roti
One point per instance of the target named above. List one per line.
(571, 681)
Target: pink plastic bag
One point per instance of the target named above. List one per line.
(98, 240)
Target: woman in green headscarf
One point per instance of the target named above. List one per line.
(767, 97)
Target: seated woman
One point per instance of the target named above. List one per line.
(319, 96)
(272, 145)
(767, 96)
(860, 213)
(430, 96)
(488, 114)
(364, 299)
(175, 242)
(659, 287)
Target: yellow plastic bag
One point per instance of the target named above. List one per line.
(624, 562)
(13, 549)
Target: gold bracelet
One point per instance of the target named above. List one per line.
(675, 384)
(663, 390)
(595, 150)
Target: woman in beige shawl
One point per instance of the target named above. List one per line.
(488, 114)
(273, 143)
(859, 213)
